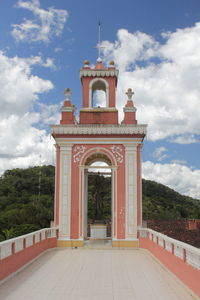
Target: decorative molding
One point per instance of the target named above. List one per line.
(116, 150)
(67, 109)
(98, 73)
(78, 150)
(129, 109)
(99, 129)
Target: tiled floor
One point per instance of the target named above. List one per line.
(95, 274)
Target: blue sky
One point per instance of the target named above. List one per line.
(155, 45)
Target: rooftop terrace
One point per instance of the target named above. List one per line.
(32, 267)
(101, 273)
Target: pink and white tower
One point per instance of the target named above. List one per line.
(98, 136)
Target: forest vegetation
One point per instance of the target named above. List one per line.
(27, 200)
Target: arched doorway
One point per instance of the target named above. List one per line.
(98, 199)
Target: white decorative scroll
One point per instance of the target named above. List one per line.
(78, 150)
(116, 150)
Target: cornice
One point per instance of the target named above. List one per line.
(99, 129)
(99, 73)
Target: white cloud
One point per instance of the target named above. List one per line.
(22, 143)
(99, 98)
(160, 154)
(58, 49)
(50, 114)
(22, 138)
(185, 139)
(19, 88)
(164, 76)
(47, 23)
(179, 161)
(100, 170)
(177, 176)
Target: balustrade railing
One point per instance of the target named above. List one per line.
(186, 252)
(11, 246)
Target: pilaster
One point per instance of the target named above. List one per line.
(131, 191)
(65, 192)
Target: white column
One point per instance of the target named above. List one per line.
(85, 204)
(65, 192)
(131, 191)
(114, 203)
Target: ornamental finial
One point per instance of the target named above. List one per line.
(129, 94)
(67, 94)
(86, 63)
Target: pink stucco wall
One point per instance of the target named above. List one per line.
(17, 260)
(186, 273)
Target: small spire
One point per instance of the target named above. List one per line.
(67, 94)
(99, 60)
(129, 94)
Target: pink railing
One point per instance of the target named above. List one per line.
(180, 258)
(19, 251)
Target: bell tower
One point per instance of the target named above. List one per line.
(99, 79)
(98, 137)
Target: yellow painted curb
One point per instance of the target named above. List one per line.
(70, 243)
(126, 244)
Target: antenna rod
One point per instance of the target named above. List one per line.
(99, 24)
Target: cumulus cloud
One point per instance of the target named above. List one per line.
(160, 154)
(45, 25)
(19, 88)
(177, 176)
(22, 143)
(99, 98)
(22, 135)
(185, 139)
(165, 77)
(179, 161)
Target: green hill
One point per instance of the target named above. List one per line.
(162, 203)
(24, 209)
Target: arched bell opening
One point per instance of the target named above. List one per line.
(98, 197)
(99, 93)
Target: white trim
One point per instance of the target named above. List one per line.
(93, 150)
(99, 129)
(192, 253)
(95, 73)
(131, 191)
(84, 204)
(94, 141)
(129, 109)
(65, 192)
(67, 109)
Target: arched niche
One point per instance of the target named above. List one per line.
(98, 84)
